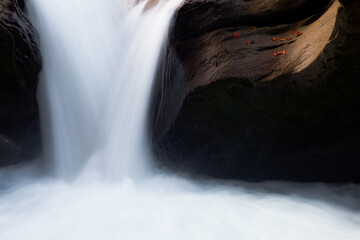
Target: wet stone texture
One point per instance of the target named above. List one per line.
(252, 115)
(19, 68)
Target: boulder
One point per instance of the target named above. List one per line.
(251, 115)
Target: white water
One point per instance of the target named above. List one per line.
(164, 208)
(99, 62)
(100, 59)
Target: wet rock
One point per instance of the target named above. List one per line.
(207, 50)
(20, 64)
(257, 116)
(169, 91)
(209, 39)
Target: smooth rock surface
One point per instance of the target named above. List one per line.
(264, 117)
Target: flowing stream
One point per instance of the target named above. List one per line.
(99, 64)
(96, 180)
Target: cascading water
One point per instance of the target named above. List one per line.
(99, 62)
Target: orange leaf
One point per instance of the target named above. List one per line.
(236, 35)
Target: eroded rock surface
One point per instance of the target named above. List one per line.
(211, 39)
(202, 42)
(19, 67)
(257, 116)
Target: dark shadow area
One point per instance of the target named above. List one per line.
(299, 127)
(343, 196)
(20, 64)
(199, 17)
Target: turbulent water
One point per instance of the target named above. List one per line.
(164, 207)
(96, 180)
(100, 59)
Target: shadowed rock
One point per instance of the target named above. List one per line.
(207, 51)
(257, 116)
(19, 68)
(256, 62)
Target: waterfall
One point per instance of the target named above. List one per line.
(99, 61)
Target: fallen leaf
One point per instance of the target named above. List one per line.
(236, 35)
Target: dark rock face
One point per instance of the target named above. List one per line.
(169, 91)
(259, 21)
(256, 116)
(20, 64)
(197, 17)
(206, 53)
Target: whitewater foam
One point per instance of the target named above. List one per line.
(99, 62)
